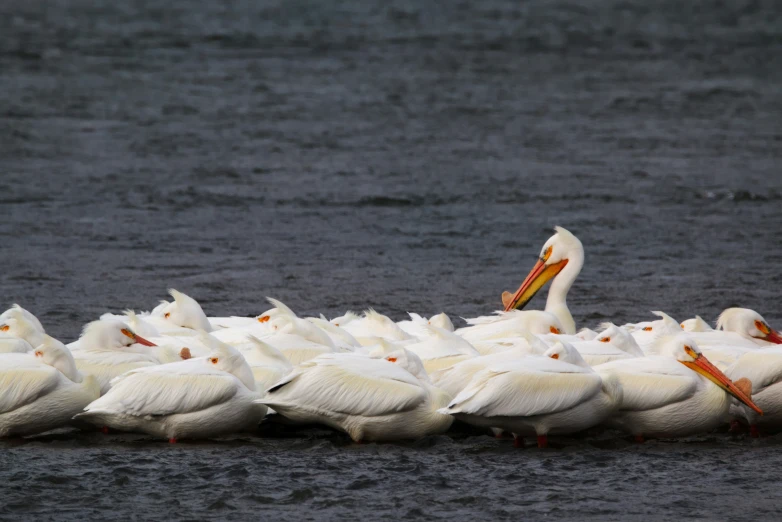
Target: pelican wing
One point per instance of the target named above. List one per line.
(762, 367)
(651, 382)
(351, 385)
(167, 389)
(525, 388)
(105, 366)
(22, 384)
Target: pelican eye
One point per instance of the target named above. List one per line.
(4, 328)
(647, 328)
(391, 359)
(336, 324)
(167, 315)
(546, 254)
(128, 333)
(264, 319)
(213, 360)
(554, 330)
(692, 353)
(38, 353)
(763, 327)
(554, 356)
(605, 340)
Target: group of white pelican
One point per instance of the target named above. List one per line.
(176, 373)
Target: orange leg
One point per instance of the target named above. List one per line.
(105, 430)
(543, 441)
(172, 440)
(518, 442)
(754, 432)
(736, 427)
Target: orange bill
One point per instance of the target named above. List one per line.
(143, 341)
(538, 276)
(703, 366)
(774, 337)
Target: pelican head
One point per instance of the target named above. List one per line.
(561, 249)
(684, 350)
(343, 320)
(441, 320)
(696, 324)
(110, 334)
(15, 310)
(55, 354)
(226, 358)
(748, 323)
(280, 310)
(619, 338)
(564, 352)
(185, 312)
(15, 323)
(401, 357)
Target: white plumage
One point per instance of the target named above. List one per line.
(537, 395)
(41, 391)
(197, 398)
(367, 398)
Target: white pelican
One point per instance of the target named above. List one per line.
(454, 379)
(137, 324)
(17, 332)
(183, 316)
(344, 319)
(510, 324)
(612, 344)
(676, 394)
(297, 339)
(586, 334)
(561, 258)
(340, 337)
(15, 310)
(288, 322)
(42, 390)
(746, 324)
(372, 325)
(279, 320)
(763, 369)
(740, 331)
(439, 348)
(554, 394)
(294, 347)
(696, 324)
(370, 399)
(192, 399)
(267, 363)
(647, 333)
(109, 348)
(416, 322)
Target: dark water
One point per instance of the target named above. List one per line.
(401, 156)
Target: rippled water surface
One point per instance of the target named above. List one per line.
(400, 155)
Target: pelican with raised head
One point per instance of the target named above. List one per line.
(561, 259)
